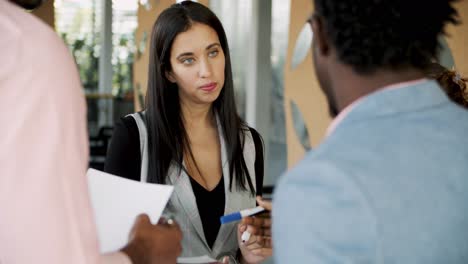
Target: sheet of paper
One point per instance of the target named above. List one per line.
(117, 202)
(201, 259)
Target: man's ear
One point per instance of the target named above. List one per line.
(322, 43)
(170, 77)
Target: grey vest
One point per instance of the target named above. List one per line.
(182, 204)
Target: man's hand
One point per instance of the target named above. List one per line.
(258, 246)
(153, 244)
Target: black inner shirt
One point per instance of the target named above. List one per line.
(210, 207)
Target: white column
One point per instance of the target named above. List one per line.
(259, 83)
(105, 117)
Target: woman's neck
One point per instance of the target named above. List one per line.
(197, 116)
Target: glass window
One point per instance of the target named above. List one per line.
(237, 21)
(279, 43)
(79, 25)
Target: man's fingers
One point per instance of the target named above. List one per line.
(266, 222)
(247, 220)
(252, 243)
(259, 231)
(253, 230)
(266, 242)
(264, 252)
(263, 241)
(265, 204)
(242, 227)
(257, 221)
(266, 232)
(256, 242)
(142, 219)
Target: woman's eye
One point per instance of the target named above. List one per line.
(213, 53)
(188, 61)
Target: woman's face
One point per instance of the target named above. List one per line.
(197, 62)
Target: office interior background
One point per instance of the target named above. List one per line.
(276, 90)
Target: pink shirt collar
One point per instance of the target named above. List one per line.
(337, 120)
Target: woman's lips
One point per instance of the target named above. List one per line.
(208, 87)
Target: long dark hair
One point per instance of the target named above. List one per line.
(451, 81)
(167, 137)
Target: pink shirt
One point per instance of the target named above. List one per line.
(344, 113)
(45, 212)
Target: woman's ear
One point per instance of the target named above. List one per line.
(170, 77)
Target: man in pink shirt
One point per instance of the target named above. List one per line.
(45, 213)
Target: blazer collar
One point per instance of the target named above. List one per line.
(394, 101)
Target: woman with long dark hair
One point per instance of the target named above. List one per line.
(191, 136)
(451, 82)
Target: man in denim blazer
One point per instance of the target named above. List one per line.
(389, 184)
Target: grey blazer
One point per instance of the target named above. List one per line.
(182, 204)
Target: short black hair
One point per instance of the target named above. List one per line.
(375, 34)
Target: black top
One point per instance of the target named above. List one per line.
(123, 156)
(124, 159)
(210, 206)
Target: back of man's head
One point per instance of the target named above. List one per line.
(28, 4)
(385, 34)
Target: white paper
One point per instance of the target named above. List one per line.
(201, 259)
(117, 202)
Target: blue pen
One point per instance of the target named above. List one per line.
(239, 215)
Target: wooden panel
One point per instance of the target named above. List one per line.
(204, 2)
(46, 13)
(146, 19)
(301, 86)
(458, 39)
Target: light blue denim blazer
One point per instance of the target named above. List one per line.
(389, 185)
